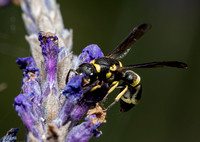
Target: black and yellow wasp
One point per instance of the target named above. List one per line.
(110, 70)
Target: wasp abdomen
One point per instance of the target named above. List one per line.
(130, 98)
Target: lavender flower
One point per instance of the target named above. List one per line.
(46, 109)
(50, 109)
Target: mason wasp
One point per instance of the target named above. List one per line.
(110, 70)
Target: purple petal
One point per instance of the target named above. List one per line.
(25, 63)
(23, 105)
(73, 93)
(90, 53)
(50, 53)
(84, 131)
(74, 87)
(29, 112)
(31, 84)
(49, 45)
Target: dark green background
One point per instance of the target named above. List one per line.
(169, 110)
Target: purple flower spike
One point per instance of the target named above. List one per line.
(50, 109)
(43, 104)
(90, 53)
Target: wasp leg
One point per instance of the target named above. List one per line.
(67, 78)
(118, 97)
(115, 84)
(95, 87)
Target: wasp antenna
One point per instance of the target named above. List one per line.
(144, 27)
(177, 64)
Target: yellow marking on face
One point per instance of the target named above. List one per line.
(120, 64)
(137, 81)
(108, 75)
(113, 67)
(95, 87)
(98, 67)
(81, 74)
(88, 80)
(76, 72)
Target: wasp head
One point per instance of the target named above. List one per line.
(89, 70)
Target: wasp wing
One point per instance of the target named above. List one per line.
(123, 48)
(156, 64)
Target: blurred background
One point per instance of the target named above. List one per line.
(169, 109)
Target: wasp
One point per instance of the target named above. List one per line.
(110, 70)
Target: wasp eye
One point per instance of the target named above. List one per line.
(89, 70)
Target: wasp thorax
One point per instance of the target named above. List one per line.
(89, 70)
